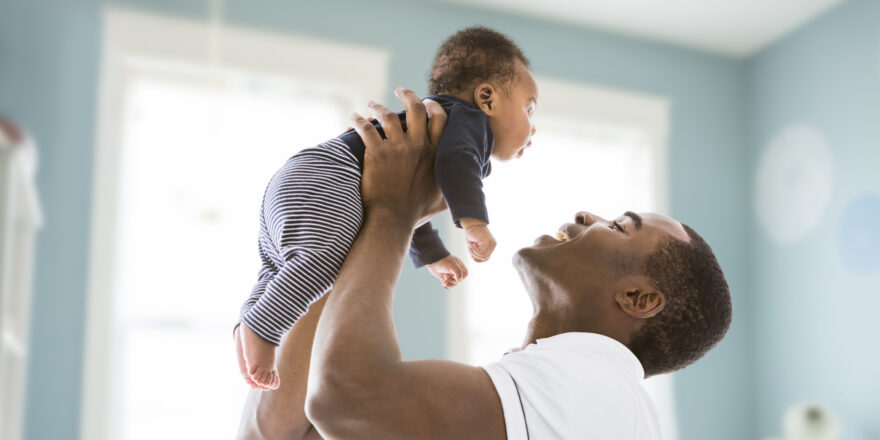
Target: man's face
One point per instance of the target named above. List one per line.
(591, 255)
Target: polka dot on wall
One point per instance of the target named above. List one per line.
(858, 236)
(794, 182)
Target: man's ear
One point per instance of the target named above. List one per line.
(639, 299)
(486, 98)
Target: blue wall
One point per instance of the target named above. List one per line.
(48, 83)
(815, 298)
(49, 53)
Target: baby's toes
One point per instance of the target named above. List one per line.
(257, 376)
(266, 378)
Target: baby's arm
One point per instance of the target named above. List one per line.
(426, 246)
(427, 249)
(461, 163)
(479, 238)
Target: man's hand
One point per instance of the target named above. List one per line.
(398, 172)
(359, 385)
(449, 270)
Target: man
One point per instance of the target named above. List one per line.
(615, 301)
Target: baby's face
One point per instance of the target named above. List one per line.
(512, 122)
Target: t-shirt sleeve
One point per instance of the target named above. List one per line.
(462, 162)
(514, 419)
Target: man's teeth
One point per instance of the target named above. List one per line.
(562, 235)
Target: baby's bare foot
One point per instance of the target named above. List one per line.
(259, 359)
(242, 363)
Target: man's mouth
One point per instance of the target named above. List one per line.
(562, 235)
(567, 231)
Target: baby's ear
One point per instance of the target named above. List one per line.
(484, 97)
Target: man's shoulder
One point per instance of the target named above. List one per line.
(585, 358)
(574, 386)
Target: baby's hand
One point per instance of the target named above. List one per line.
(480, 242)
(449, 270)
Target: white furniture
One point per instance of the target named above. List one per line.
(20, 217)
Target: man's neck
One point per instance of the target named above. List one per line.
(555, 314)
(546, 323)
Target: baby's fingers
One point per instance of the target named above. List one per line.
(455, 271)
(478, 253)
(462, 269)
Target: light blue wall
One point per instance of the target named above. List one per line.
(49, 52)
(48, 83)
(815, 299)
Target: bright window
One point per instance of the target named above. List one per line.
(182, 170)
(196, 160)
(595, 150)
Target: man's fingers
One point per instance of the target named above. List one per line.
(436, 121)
(388, 120)
(416, 114)
(365, 129)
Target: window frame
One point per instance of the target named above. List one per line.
(129, 36)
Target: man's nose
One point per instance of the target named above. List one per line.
(586, 218)
(534, 130)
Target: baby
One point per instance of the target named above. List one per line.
(312, 211)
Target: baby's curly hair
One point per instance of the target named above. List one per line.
(473, 56)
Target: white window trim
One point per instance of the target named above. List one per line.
(129, 36)
(650, 114)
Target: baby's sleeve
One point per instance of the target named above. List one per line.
(426, 246)
(462, 163)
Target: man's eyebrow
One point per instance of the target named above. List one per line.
(635, 218)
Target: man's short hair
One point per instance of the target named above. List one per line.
(473, 56)
(698, 307)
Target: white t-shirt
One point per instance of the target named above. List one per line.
(574, 386)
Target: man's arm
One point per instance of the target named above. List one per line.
(359, 387)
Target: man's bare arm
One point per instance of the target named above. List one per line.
(359, 386)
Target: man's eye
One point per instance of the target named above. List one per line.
(615, 225)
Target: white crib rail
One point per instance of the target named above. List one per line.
(20, 216)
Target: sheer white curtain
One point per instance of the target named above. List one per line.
(20, 217)
(597, 150)
(187, 150)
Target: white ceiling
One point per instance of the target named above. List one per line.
(731, 27)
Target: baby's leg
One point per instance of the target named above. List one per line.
(280, 414)
(260, 353)
(313, 213)
(258, 358)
